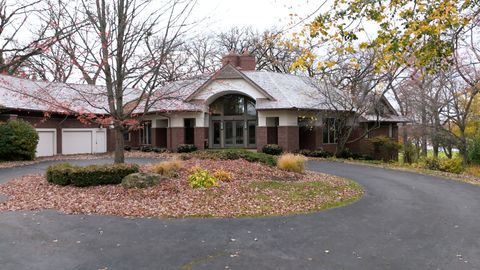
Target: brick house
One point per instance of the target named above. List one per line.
(236, 107)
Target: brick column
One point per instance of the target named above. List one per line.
(154, 137)
(288, 138)
(159, 137)
(175, 136)
(261, 137)
(201, 136)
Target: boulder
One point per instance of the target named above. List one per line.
(141, 180)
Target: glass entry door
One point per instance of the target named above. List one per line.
(234, 134)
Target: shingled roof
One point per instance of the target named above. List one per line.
(284, 91)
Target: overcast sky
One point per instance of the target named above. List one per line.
(260, 14)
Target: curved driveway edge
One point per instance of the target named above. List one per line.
(14, 172)
(404, 221)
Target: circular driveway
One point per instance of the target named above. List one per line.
(404, 221)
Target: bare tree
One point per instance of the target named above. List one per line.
(22, 36)
(355, 90)
(130, 49)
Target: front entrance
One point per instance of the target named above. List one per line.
(233, 122)
(234, 134)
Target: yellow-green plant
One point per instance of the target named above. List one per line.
(168, 168)
(291, 162)
(223, 175)
(454, 165)
(201, 178)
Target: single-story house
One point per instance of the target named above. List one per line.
(235, 107)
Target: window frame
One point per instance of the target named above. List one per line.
(327, 128)
(146, 133)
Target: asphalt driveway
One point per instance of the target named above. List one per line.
(404, 221)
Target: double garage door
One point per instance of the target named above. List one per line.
(73, 141)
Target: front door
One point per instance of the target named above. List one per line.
(234, 134)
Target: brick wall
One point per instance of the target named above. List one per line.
(288, 138)
(261, 137)
(175, 136)
(159, 137)
(201, 137)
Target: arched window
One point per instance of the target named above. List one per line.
(233, 122)
(233, 105)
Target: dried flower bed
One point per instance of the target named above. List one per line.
(256, 190)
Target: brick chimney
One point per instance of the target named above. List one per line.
(244, 61)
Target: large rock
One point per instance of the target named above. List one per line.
(141, 180)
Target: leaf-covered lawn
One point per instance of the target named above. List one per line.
(256, 190)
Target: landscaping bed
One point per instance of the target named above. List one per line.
(255, 189)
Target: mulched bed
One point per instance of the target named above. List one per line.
(175, 198)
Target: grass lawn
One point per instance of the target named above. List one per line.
(302, 192)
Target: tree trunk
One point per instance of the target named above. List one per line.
(435, 149)
(119, 156)
(463, 148)
(406, 154)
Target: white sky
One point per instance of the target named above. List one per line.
(260, 14)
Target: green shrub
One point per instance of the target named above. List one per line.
(431, 163)
(186, 148)
(345, 153)
(201, 178)
(454, 165)
(272, 149)
(159, 150)
(385, 148)
(18, 140)
(60, 174)
(291, 162)
(146, 148)
(315, 153)
(93, 175)
(233, 154)
(474, 150)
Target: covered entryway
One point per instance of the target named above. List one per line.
(47, 142)
(83, 141)
(233, 122)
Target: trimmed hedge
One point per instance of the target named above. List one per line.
(186, 148)
(233, 154)
(272, 149)
(92, 175)
(18, 140)
(315, 153)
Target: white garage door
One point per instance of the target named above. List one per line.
(47, 140)
(83, 141)
(77, 142)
